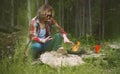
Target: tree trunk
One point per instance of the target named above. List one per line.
(3, 13)
(60, 5)
(29, 11)
(12, 12)
(62, 18)
(101, 33)
(90, 24)
(83, 31)
(67, 21)
(80, 18)
(76, 18)
(86, 18)
(37, 4)
(46, 1)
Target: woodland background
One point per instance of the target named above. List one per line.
(87, 21)
(98, 19)
(78, 17)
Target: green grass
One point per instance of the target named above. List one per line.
(26, 68)
(102, 65)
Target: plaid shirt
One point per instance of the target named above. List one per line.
(35, 29)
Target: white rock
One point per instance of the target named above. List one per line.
(55, 59)
(115, 46)
(93, 55)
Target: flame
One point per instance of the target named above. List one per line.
(97, 48)
(76, 47)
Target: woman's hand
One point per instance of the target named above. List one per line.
(46, 39)
(66, 40)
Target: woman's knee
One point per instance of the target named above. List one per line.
(58, 35)
(36, 46)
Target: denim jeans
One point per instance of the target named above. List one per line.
(54, 44)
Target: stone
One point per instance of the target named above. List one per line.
(55, 59)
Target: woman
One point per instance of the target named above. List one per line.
(40, 32)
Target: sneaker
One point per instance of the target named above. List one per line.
(62, 50)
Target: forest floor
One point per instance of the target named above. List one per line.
(15, 63)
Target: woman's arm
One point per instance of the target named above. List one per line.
(66, 40)
(34, 34)
(33, 31)
(58, 26)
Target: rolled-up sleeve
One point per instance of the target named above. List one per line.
(33, 31)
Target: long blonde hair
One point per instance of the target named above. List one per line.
(44, 10)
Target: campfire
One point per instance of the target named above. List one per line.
(76, 47)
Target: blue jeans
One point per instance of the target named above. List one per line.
(54, 44)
